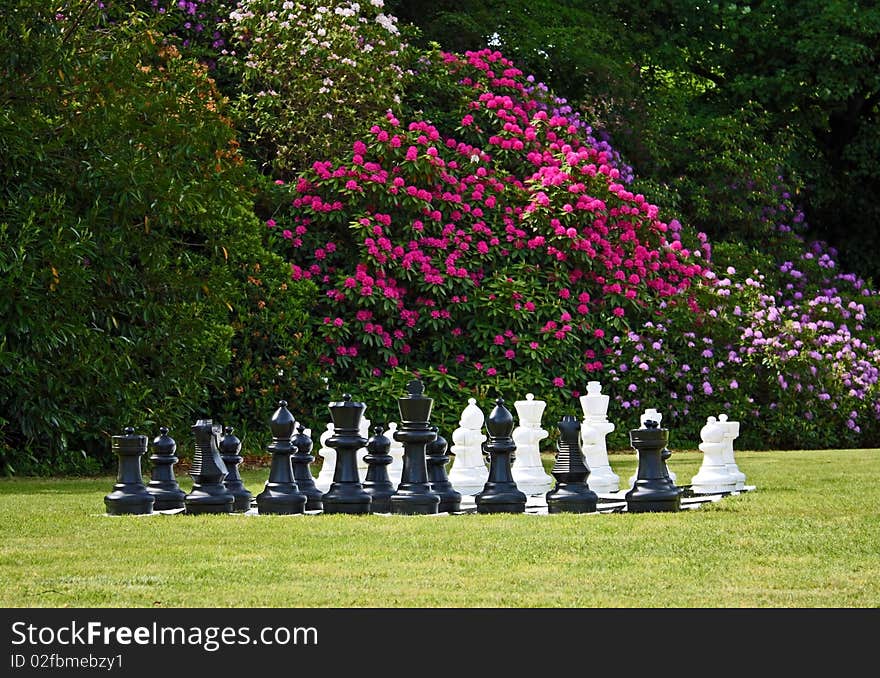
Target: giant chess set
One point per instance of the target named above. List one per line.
(402, 470)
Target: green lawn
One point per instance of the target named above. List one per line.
(809, 536)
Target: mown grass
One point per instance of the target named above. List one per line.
(809, 536)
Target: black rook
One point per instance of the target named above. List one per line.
(129, 495)
(653, 490)
(571, 494)
(500, 493)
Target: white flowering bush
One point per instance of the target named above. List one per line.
(313, 75)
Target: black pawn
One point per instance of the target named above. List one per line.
(652, 490)
(209, 494)
(129, 495)
(414, 495)
(230, 451)
(301, 460)
(377, 484)
(281, 495)
(346, 494)
(500, 493)
(572, 494)
(437, 458)
(163, 485)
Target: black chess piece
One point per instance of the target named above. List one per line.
(653, 490)
(500, 493)
(163, 485)
(572, 494)
(230, 452)
(301, 461)
(346, 494)
(414, 495)
(281, 494)
(437, 458)
(377, 484)
(208, 494)
(129, 495)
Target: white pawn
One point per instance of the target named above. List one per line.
(362, 465)
(594, 429)
(731, 434)
(651, 415)
(712, 477)
(528, 471)
(395, 468)
(469, 472)
(328, 467)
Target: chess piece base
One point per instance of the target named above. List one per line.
(412, 503)
(380, 494)
(313, 499)
(653, 495)
(120, 502)
(347, 499)
(712, 481)
(469, 481)
(603, 479)
(572, 499)
(349, 508)
(532, 479)
(167, 498)
(202, 501)
(241, 500)
(280, 501)
(500, 498)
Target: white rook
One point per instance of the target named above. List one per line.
(528, 471)
(594, 430)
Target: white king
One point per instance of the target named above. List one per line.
(594, 429)
(528, 471)
(469, 472)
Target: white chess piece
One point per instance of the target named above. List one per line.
(362, 465)
(528, 471)
(731, 434)
(651, 415)
(328, 467)
(713, 477)
(469, 472)
(594, 430)
(395, 468)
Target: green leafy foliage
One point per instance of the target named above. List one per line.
(125, 232)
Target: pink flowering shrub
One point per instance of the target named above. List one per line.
(505, 257)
